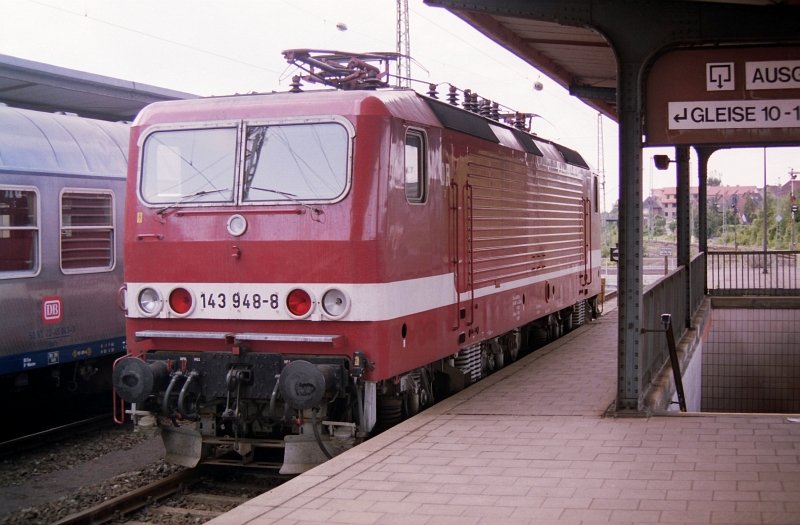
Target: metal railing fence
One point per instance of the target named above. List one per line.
(668, 295)
(682, 291)
(753, 272)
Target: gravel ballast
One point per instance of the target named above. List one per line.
(47, 485)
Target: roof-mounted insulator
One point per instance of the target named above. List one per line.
(495, 112)
(296, 85)
(486, 108)
(470, 99)
(452, 96)
(519, 121)
(432, 91)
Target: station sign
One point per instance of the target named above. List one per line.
(724, 96)
(736, 114)
(775, 74)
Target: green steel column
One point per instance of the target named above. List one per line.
(703, 154)
(629, 381)
(684, 224)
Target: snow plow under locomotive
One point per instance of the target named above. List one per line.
(309, 267)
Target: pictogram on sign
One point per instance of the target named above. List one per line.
(719, 76)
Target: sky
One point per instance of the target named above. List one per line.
(210, 47)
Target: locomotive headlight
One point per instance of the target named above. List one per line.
(180, 300)
(149, 301)
(237, 225)
(335, 303)
(299, 303)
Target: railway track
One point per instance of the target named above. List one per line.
(53, 435)
(187, 496)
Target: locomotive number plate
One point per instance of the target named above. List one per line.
(238, 301)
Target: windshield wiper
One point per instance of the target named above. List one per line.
(315, 212)
(184, 198)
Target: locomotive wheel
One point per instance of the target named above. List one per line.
(499, 360)
(412, 402)
(511, 345)
(553, 328)
(596, 308)
(487, 363)
(568, 324)
(389, 413)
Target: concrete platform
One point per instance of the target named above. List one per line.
(532, 444)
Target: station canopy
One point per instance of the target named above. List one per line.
(578, 58)
(43, 87)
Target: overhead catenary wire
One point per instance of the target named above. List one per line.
(121, 27)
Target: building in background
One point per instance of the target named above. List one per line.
(731, 203)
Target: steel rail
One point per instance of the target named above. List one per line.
(133, 500)
(32, 441)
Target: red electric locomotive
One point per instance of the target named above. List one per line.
(304, 268)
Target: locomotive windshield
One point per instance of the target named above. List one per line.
(196, 165)
(303, 162)
(285, 162)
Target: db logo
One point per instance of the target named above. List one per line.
(51, 309)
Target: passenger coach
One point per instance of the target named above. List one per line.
(62, 182)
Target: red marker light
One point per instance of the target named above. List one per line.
(180, 300)
(299, 302)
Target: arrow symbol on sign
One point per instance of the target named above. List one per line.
(678, 118)
(720, 73)
(719, 76)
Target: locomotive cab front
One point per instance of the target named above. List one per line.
(243, 259)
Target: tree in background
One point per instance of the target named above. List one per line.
(749, 232)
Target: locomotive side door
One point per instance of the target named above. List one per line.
(591, 209)
(457, 196)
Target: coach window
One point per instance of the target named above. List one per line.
(416, 173)
(19, 232)
(87, 231)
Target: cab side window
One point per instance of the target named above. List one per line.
(416, 169)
